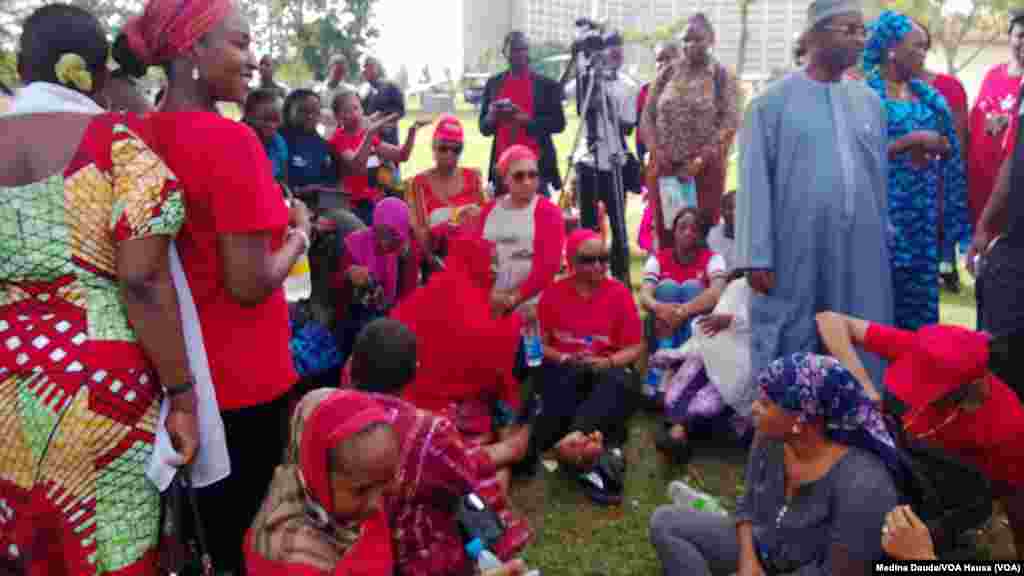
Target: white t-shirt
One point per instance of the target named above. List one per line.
(720, 244)
(512, 232)
(716, 268)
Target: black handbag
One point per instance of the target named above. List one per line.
(178, 554)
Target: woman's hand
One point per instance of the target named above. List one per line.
(597, 363)
(715, 323)
(359, 276)
(299, 216)
(422, 123)
(905, 537)
(183, 425)
(979, 246)
(379, 120)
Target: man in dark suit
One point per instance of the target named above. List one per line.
(383, 96)
(522, 107)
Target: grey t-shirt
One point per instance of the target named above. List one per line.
(847, 506)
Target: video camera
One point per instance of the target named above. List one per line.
(591, 37)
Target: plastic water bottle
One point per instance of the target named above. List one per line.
(298, 285)
(532, 344)
(683, 495)
(654, 375)
(484, 558)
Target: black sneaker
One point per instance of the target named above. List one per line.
(604, 483)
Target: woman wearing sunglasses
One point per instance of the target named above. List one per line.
(953, 401)
(591, 334)
(527, 229)
(447, 197)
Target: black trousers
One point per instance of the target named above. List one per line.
(593, 185)
(573, 399)
(1003, 364)
(256, 438)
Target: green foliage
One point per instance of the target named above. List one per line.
(539, 55)
(344, 30)
(8, 68)
(660, 34)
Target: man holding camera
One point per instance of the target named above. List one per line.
(601, 153)
(521, 107)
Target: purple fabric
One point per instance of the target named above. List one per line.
(362, 245)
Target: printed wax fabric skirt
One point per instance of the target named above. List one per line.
(78, 418)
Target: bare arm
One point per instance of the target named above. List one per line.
(840, 334)
(251, 271)
(393, 153)
(151, 304)
(994, 216)
(647, 300)
(627, 356)
(707, 300)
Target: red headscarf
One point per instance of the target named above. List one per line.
(168, 28)
(463, 351)
(338, 417)
(514, 154)
(576, 239)
(449, 129)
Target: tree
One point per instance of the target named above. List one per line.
(425, 75)
(660, 34)
(954, 27)
(741, 56)
(543, 61)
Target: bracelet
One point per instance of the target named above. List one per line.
(172, 391)
(302, 235)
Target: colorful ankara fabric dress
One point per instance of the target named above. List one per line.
(78, 399)
(913, 192)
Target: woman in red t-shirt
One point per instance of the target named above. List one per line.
(237, 245)
(358, 145)
(591, 333)
(445, 198)
(680, 282)
(953, 399)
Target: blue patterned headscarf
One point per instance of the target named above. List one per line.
(883, 35)
(811, 386)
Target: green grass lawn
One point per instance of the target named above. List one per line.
(575, 537)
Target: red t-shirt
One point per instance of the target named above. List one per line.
(358, 185)
(664, 266)
(608, 319)
(229, 190)
(990, 438)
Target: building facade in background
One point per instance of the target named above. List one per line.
(772, 26)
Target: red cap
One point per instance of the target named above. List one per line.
(942, 359)
(448, 129)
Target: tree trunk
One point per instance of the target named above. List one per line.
(741, 56)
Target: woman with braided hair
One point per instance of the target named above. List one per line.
(923, 148)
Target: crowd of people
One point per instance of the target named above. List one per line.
(146, 330)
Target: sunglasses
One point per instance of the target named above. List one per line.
(588, 260)
(450, 148)
(848, 29)
(523, 175)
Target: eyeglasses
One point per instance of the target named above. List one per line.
(588, 260)
(523, 175)
(912, 418)
(848, 29)
(451, 149)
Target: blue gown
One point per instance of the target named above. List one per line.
(812, 207)
(914, 204)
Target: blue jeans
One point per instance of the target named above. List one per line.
(672, 292)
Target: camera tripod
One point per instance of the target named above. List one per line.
(598, 112)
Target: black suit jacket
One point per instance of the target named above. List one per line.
(548, 119)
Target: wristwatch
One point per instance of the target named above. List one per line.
(177, 390)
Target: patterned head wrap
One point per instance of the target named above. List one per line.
(812, 386)
(885, 33)
(168, 28)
